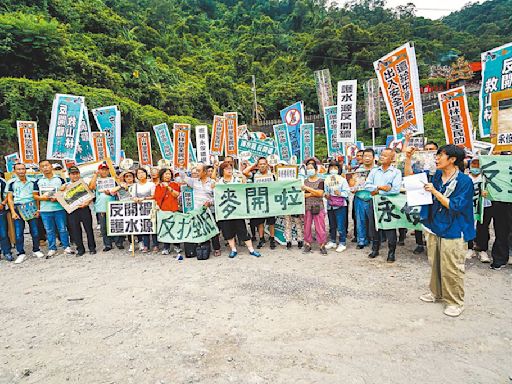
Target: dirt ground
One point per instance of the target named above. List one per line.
(286, 317)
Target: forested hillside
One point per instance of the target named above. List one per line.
(163, 59)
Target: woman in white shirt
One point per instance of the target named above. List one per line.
(141, 191)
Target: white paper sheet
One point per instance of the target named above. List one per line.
(415, 191)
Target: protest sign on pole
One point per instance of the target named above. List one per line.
(202, 144)
(144, 148)
(187, 198)
(346, 111)
(293, 117)
(231, 132)
(372, 103)
(323, 89)
(194, 227)
(497, 173)
(131, 218)
(191, 152)
(287, 172)
(181, 136)
(399, 82)
(334, 149)
(282, 138)
(496, 76)
(257, 148)
(99, 145)
(11, 160)
(28, 142)
(501, 128)
(482, 148)
(458, 128)
(218, 132)
(245, 201)
(84, 151)
(108, 120)
(67, 115)
(307, 141)
(392, 212)
(163, 137)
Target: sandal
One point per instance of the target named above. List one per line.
(217, 253)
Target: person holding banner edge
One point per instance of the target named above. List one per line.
(166, 197)
(449, 225)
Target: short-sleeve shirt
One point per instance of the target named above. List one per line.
(22, 193)
(101, 201)
(44, 184)
(143, 190)
(311, 201)
(165, 200)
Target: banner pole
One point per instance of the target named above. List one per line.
(133, 245)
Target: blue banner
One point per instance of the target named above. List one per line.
(282, 139)
(163, 137)
(108, 120)
(257, 148)
(67, 115)
(84, 151)
(334, 149)
(191, 153)
(307, 141)
(10, 161)
(293, 117)
(496, 76)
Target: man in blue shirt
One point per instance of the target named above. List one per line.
(52, 213)
(383, 180)
(449, 225)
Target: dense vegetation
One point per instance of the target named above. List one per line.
(185, 60)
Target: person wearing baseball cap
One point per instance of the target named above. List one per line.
(80, 217)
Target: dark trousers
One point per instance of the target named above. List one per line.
(77, 219)
(331, 215)
(107, 240)
(482, 230)
(502, 226)
(419, 237)
(354, 219)
(375, 234)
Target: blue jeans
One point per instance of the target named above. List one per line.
(341, 217)
(56, 220)
(4, 236)
(19, 230)
(363, 216)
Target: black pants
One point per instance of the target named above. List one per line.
(354, 219)
(482, 230)
(419, 238)
(502, 226)
(82, 216)
(333, 226)
(402, 233)
(375, 234)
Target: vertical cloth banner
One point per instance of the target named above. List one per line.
(307, 141)
(202, 144)
(67, 115)
(497, 172)
(392, 212)
(163, 137)
(10, 161)
(346, 112)
(496, 76)
(268, 199)
(372, 103)
(187, 198)
(334, 149)
(99, 145)
(131, 218)
(84, 151)
(194, 227)
(399, 82)
(144, 147)
(108, 120)
(282, 138)
(293, 117)
(28, 142)
(191, 152)
(323, 89)
(458, 128)
(181, 134)
(231, 133)
(218, 131)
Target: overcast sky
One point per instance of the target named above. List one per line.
(433, 9)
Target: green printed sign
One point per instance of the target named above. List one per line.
(497, 172)
(392, 212)
(246, 201)
(194, 227)
(257, 148)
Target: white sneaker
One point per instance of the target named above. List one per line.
(20, 259)
(341, 248)
(39, 254)
(509, 261)
(98, 227)
(453, 310)
(428, 298)
(484, 257)
(131, 248)
(69, 251)
(330, 245)
(165, 252)
(141, 246)
(51, 253)
(469, 254)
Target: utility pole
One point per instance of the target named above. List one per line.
(255, 115)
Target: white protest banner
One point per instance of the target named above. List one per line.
(130, 218)
(28, 142)
(346, 112)
(105, 184)
(202, 144)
